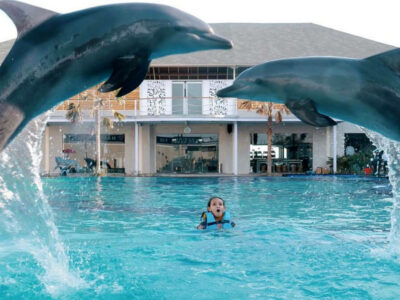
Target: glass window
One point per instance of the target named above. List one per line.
(187, 153)
(290, 152)
(81, 148)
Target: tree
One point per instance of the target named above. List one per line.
(267, 109)
(74, 114)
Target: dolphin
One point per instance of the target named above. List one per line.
(365, 91)
(56, 56)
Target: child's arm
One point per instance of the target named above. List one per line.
(203, 224)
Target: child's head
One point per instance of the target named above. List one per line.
(216, 206)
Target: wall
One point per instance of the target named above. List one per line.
(320, 137)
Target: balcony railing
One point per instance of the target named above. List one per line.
(205, 107)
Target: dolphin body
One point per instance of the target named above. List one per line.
(361, 91)
(56, 56)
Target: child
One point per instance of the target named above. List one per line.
(216, 215)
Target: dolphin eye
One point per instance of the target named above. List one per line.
(259, 81)
(179, 29)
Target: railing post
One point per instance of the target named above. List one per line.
(136, 170)
(234, 99)
(235, 148)
(135, 106)
(334, 149)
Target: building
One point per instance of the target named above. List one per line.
(175, 124)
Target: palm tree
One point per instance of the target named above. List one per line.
(74, 114)
(267, 109)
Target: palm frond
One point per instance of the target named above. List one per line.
(74, 113)
(246, 105)
(278, 117)
(119, 116)
(107, 122)
(285, 109)
(262, 110)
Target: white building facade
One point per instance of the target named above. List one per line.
(174, 123)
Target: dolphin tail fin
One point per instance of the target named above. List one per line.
(390, 59)
(25, 16)
(11, 118)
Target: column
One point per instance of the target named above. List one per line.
(235, 148)
(136, 169)
(334, 149)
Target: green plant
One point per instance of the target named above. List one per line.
(353, 164)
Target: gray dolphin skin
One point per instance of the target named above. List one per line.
(56, 56)
(365, 92)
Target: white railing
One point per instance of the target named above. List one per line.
(205, 107)
(176, 107)
(209, 107)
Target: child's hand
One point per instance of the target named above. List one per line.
(200, 227)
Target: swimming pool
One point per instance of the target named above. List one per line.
(131, 238)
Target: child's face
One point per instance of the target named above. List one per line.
(217, 207)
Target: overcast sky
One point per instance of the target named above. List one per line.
(377, 20)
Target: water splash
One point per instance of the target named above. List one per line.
(26, 219)
(392, 150)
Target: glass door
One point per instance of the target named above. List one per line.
(187, 98)
(194, 98)
(178, 94)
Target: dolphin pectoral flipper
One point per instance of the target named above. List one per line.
(306, 111)
(127, 75)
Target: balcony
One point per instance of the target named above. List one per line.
(167, 109)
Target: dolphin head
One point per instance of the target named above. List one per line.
(185, 33)
(264, 82)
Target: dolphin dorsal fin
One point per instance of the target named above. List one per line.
(390, 59)
(25, 16)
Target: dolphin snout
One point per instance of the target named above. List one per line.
(227, 92)
(222, 43)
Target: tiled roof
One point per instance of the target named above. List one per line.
(255, 43)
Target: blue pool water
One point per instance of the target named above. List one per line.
(135, 238)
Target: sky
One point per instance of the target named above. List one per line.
(371, 19)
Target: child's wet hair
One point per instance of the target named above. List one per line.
(215, 197)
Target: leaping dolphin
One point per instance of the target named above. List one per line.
(57, 56)
(361, 91)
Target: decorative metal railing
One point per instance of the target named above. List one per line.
(186, 106)
(205, 107)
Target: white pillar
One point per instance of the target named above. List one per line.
(235, 148)
(46, 154)
(98, 142)
(136, 170)
(334, 149)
